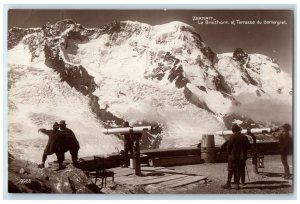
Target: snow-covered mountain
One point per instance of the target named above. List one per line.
(145, 74)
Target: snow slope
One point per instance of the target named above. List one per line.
(37, 98)
(164, 74)
(120, 73)
(264, 73)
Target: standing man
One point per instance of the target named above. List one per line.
(54, 145)
(128, 145)
(285, 148)
(136, 152)
(237, 147)
(70, 142)
(254, 152)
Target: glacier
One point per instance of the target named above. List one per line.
(163, 74)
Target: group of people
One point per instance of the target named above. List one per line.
(237, 149)
(61, 139)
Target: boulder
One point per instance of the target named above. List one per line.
(26, 177)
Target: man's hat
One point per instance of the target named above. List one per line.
(286, 126)
(55, 124)
(236, 128)
(126, 124)
(62, 122)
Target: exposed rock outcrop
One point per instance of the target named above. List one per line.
(26, 177)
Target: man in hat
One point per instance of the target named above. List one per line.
(237, 147)
(285, 148)
(128, 145)
(53, 145)
(70, 142)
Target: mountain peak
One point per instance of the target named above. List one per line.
(177, 24)
(65, 21)
(163, 73)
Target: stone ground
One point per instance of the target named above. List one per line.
(269, 181)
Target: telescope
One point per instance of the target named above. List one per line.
(248, 131)
(125, 130)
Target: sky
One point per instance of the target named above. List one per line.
(271, 40)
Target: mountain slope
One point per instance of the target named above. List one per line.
(162, 74)
(37, 98)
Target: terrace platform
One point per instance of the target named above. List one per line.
(158, 176)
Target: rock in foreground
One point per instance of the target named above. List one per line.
(26, 177)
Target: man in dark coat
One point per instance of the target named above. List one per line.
(285, 148)
(70, 142)
(237, 148)
(128, 145)
(54, 145)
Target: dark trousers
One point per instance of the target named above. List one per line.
(243, 177)
(240, 174)
(128, 148)
(236, 168)
(285, 165)
(231, 170)
(74, 155)
(60, 158)
(44, 157)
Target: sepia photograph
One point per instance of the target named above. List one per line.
(150, 101)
